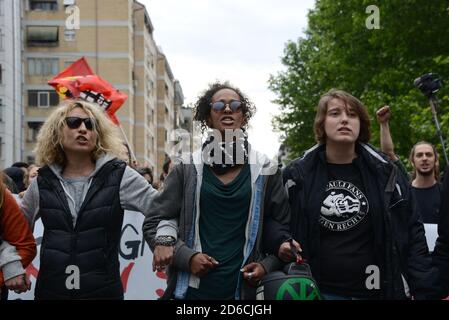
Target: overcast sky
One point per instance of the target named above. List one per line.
(237, 40)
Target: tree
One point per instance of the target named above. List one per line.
(376, 65)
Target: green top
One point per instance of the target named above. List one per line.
(224, 214)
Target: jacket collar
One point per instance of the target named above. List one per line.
(260, 164)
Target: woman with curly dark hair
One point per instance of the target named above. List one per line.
(207, 223)
(203, 105)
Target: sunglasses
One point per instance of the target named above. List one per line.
(220, 105)
(75, 122)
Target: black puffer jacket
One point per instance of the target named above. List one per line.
(91, 246)
(400, 242)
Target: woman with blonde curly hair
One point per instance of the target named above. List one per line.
(80, 194)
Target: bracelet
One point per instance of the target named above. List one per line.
(166, 241)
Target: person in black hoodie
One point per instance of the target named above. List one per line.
(351, 212)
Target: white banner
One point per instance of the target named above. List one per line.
(431, 231)
(138, 279)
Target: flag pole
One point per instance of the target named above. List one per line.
(131, 152)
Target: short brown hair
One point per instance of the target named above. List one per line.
(348, 99)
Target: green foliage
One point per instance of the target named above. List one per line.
(377, 65)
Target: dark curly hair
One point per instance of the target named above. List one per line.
(202, 105)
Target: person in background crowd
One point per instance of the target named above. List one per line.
(24, 167)
(9, 183)
(80, 195)
(146, 173)
(166, 169)
(351, 211)
(425, 186)
(32, 173)
(18, 176)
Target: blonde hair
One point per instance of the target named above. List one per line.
(49, 140)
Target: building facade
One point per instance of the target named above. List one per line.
(117, 41)
(10, 82)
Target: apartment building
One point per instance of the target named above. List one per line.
(116, 37)
(145, 81)
(165, 110)
(10, 82)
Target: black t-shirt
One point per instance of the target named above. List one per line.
(347, 236)
(427, 202)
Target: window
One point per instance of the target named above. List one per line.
(68, 63)
(1, 40)
(69, 2)
(44, 5)
(1, 74)
(43, 66)
(2, 4)
(69, 35)
(150, 86)
(1, 110)
(45, 36)
(42, 98)
(150, 60)
(33, 130)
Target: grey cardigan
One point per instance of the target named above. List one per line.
(179, 200)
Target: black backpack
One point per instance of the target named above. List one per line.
(294, 282)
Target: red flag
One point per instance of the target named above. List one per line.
(78, 81)
(79, 68)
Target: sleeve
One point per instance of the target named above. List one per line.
(277, 215)
(10, 261)
(441, 251)
(423, 277)
(136, 194)
(167, 206)
(16, 231)
(167, 228)
(30, 203)
(402, 169)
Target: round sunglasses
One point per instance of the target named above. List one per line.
(75, 122)
(220, 105)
